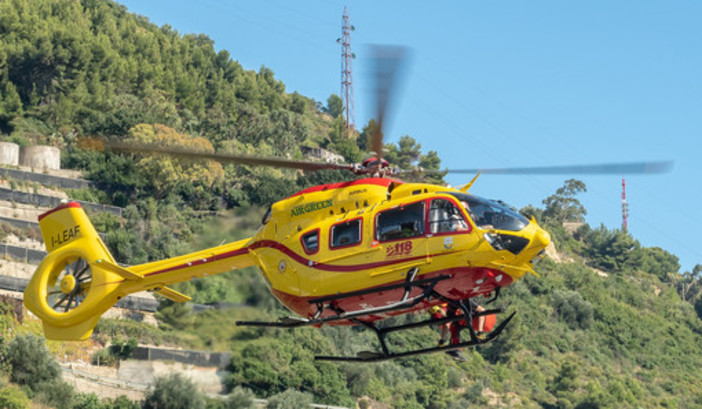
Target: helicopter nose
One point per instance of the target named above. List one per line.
(541, 239)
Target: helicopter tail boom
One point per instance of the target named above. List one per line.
(79, 279)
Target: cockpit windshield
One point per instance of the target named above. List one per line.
(488, 214)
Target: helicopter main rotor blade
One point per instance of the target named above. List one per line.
(225, 158)
(388, 62)
(597, 169)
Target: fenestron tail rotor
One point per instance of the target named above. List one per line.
(68, 286)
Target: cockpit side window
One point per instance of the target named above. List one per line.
(401, 222)
(310, 241)
(489, 214)
(445, 217)
(346, 233)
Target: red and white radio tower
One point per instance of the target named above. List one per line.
(346, 70)
(625, 206)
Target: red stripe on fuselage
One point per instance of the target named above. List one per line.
(332, 267)
(194, 263)
(298, 258)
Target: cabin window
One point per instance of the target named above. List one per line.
(346, 233)
(310, 242)
(445, 217)
(401, 222)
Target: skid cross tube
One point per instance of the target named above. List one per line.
(426, 285)
(368, 356)
(468, 312)
(439, 321)
(495, 296)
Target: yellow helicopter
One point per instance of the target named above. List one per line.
(349, 253)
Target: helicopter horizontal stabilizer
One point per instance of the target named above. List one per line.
(125, 273)
(173, 295)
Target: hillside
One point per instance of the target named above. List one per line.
(608, 324)
(78, 69)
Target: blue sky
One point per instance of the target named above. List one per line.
(506, 83)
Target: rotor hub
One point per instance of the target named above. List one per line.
(68, 284)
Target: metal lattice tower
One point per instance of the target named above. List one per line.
(625, 207)
(346, 71)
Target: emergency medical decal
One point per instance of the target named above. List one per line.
(398, 249)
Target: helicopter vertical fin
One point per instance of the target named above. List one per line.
(67, 289)
(465, 188)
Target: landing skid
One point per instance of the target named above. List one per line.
(427, 293)
(372, 356)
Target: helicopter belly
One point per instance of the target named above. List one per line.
(461, 283)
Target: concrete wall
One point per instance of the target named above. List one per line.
(40, 157)
(22, 224)
(197, 358)
(21, 254)
(52, 201)
(9, 153)
(46, 180)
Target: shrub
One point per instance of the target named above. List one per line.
(174, 392)
(103, 357)
(241, 398)
(290, 399)
(87, 401)
(13, 398)
(121, 402)
(56, 393)
(31, 362)
(573, 309)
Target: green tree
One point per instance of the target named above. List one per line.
(335, 106)
(31, 362)
(174, 391)
(563, 205)
(10, 105)
(166, 173)
(369, 131)
(405, 154)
